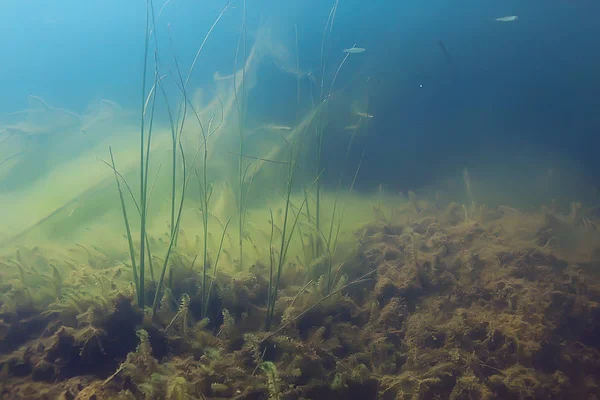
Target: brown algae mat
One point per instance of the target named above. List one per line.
(458, 302)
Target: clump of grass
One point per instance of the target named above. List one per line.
(324, 243)
(149, 100)
(287, 232)
(139, 269)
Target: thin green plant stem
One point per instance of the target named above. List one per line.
(173, 158)
(313, 229)
(145, 157)
(347, 157)
(204, 204)
(241, 111)
(328, 26)
(300, 292)
(171, 125)
(284, 246)
(187, 79)
(205, 302)
(319, 127)
(137, 207)
(319, 157)
(303, 244)
(337, 72)
(122, 178)
(335, 205)
(311, 238)
(144, 194)
(268, 160)
(275, 287)
(184, 83)
(203, 182)
(337, 234)
(185, 183)
(177, 137)
(205, 196)
(314, 233)
(248, 189)
(270, 289)
(286, 240)
(152, 187)
(204, 200)
(357, 281)
(172, 238)
(140, 287)
(127, 226)
(297, 76)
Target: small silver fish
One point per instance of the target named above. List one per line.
(271, 128)
(274, 127)
(350, 127)
(363, 114)
(508, 18)
(355, 50)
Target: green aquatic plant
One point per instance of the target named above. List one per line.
(145, 156)
(286, 239)
(206, 299)
(243, 167)
(272, 379)
(206, 189)
(205, 194)
(181, 317)
(176, 129)
(149, 379)
(341, 287)
(332, 238)
(319, 126)
(286, 236)
(323, 242)
(136, 278)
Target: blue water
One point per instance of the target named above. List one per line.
(528, 88)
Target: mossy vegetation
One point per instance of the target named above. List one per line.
(426, 304)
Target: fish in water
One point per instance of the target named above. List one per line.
(271, 128)
(355, 50)
(508, 18)
(364, 114)
(295, 71)
(274, 127)
(350, 127)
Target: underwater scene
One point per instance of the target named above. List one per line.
(300, 199)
